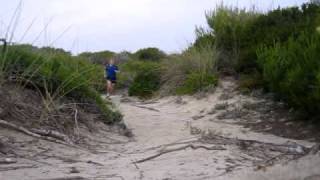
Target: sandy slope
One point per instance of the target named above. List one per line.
(162, 125)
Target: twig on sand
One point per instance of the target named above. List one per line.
(52, 134)
(144, 107)
(140, 171)
(7, 161)
(17, 167)
(71, 160)
(68, 178)
(179, 149)
(77, 130)
(41, 134)
(18, 128)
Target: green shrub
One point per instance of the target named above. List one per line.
(190, 72)
(196, 82)
(141, 77)
(238, 33)
(56, 74)
(249, 82)
(151, 54)
(229, 27)
(145, 84)
(292, 70)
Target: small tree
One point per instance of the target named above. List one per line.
(153, 54)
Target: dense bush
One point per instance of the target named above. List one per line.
(56, 75)
(292, 70)
(192, 71)
(229, 28)
(151, 54)
(195, 82)
(141, 77)
(146, 83)
(279, 50)
(239, 33)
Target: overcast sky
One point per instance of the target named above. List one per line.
(94, 25)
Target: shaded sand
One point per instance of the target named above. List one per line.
(161, 125)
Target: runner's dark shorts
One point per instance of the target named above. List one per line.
(113, 80)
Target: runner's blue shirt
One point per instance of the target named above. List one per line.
(111, 71)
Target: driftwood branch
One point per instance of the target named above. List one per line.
(18, 128)
(179, 149)
(68, 178)
(7, 161)
(52, 134)
(17, 167)
(148, 108)
(41, 134)
(76, 129)
(292, 148)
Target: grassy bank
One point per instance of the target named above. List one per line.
(55, 74)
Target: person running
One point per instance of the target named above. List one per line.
(111, 76)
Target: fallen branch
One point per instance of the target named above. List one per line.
(149, 108)
(18, 128)
(16, 168)
(70, 160)
(68, 178)
(179, 149)
(315, 149)
(36, 135)
(76, 129)
(52, 134)
(293, 148)
(7, 161)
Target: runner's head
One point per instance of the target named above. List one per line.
(112, 61)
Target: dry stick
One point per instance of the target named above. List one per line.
(163, 146)
(179, 149)
(70, 160)
(27, 132)
(68, 178)
(77, 131)
(16, 168)
(149, 108)
(52, 134)
(283, 148)
(18, 128)
(140, 172)
(7, 161)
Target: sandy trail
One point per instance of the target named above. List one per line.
(163, 125)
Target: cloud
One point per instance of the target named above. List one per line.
(116, 24)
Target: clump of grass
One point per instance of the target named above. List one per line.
(141, 77)
(221, 106)
(192, 71)
(56, 75)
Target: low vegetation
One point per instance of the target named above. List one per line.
(192, 71)
(56, 75)
(277, 50)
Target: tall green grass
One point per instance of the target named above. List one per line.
(56, 75)
(193, 71)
